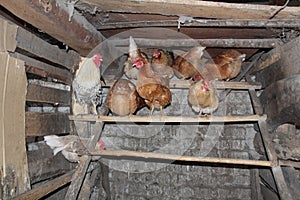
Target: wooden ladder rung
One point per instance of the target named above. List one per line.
(185, 84)
(168, 119)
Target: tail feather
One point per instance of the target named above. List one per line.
(53, 141)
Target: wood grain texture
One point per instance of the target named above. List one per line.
(53, 18)
(13, 159)
(40, 124)
(40, 94)
(204, 9)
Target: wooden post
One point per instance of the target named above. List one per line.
(13, 159)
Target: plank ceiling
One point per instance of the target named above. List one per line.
(82, 24)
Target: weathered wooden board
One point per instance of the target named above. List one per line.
(13, 159)
(281, 101)
(46, 188)
(45, 70)
(188, 43)
(43, 165)
(204, 9)
(279, 63)
(27, 42)
(40, 124)
(52, 17)
(38, 93)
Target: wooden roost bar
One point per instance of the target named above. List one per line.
(43, 43)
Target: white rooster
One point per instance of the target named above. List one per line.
(87, 83)
(71, 146)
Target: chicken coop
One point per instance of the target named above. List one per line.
(150, 99)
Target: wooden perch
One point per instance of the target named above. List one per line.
(168, 119)
(170, 157)
(185, 84)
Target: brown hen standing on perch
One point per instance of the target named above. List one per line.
(151, 86)
(123, 98)
(203, 97)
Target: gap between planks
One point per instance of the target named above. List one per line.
(168, 119)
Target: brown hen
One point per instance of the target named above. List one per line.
(162, 62)
(130, 71)
(203, 97)
(189, 64)
(225, 66)
(152, 87)
(123, 98)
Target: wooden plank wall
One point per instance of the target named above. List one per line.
(35, 81)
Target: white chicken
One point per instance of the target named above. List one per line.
(87, 83)
(71, 146)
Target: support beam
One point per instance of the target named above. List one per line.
(204, 9)
(52, 17)
(233, 23)
(173, 43)
(13, 158)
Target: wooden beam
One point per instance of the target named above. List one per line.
(46, 188)
(168, 119)
(40, 124)
(185, 84)
(52, 17)
(203, 9)
(43, 165)
(173, 43)
(14, 38)
(45, 70)
(231, 23)
(38, 93)
(13, 159)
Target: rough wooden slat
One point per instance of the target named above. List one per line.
(204, 9)
(43, 165)
(13, 159)
(37, 93)
(46, 188)
(168, 119)
(40, 124)
(53, 18)
(42, 69)
(24, 41)
(235, 23)
(176, 43)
